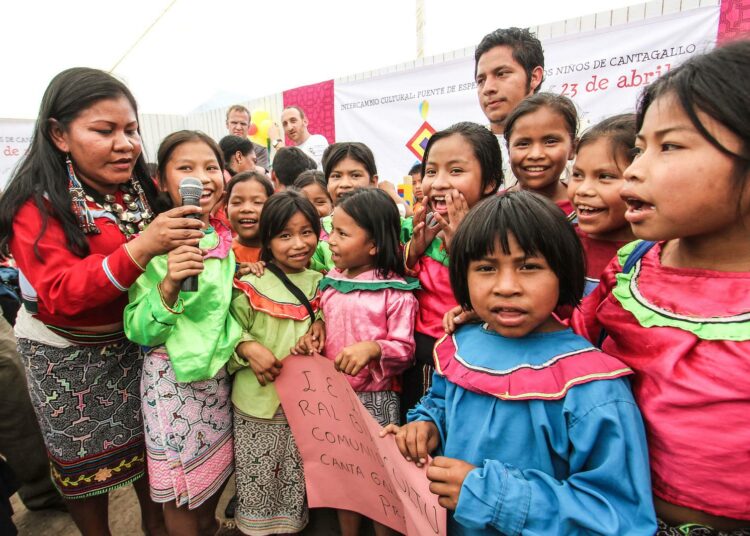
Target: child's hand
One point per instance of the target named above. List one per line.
(457, 317)
(264, 364)
(182, 262)
(422, 235)
(458, 208)
(447, 476)
(354, 358)
(255, 268)
(415, 440)
(312, 341)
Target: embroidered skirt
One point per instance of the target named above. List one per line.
(382, 405)
(188, 433)
(88, 404)
(269, 475)
(692, 529)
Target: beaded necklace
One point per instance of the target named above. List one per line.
(132, 215)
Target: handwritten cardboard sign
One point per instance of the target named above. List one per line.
(347, 465)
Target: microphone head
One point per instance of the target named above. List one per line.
(190, 190)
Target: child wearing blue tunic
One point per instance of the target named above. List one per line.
(537, 431)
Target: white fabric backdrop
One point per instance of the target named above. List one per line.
(602, 71)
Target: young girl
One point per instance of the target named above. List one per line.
(270, 481)
(537, 431)
(462, 165)
(349, 165)
(70, 217)
(245, 194)
(602, 154)
(369, 310)
(190, 337)
(541, 135)
(312, 184)
(678, 313)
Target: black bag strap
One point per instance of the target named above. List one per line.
(291, 287)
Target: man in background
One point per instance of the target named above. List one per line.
(238, 123)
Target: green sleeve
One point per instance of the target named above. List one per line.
(407, 229)
(146, 320)
(244, 315)
(321, 260)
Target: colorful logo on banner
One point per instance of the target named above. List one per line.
(418, 142)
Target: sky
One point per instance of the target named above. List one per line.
(175, 55)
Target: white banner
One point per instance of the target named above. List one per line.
(15, 136)
(603, 71)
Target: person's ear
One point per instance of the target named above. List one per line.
(491, 187)
(537, 75)
(57, 134)
(238, 156)
(374, 180)
(373, 249)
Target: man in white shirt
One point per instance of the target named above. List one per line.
(508, 67)
(294, 123)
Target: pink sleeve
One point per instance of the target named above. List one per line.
(584, 321)
(397, 350)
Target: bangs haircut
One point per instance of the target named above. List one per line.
(539, 227)
(247, 176)
(276, 214)
(486, 150)
(559, 104)
(310, 177)
(355, 150)
(375, 212)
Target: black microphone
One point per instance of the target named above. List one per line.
(190, 191)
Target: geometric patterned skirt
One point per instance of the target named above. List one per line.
(188, 428)
(692, 529)
(87, 401)
(270, 478)
(382, 405)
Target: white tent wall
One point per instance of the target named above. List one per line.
(213, 121)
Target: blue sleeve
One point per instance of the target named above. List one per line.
(432, 406)
(608, 490)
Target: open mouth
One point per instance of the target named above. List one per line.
(438, 203)
(207, 195)
(535, 169)
(637, 205)
(247, 222)
(508, 316)
(587, 210)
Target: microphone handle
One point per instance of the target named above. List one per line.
(190, 284)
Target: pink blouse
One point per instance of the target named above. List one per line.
(367, 308)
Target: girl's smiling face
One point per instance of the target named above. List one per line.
(594, 189)
(540, 146)
(680, 185)
(347, 175)
(319, 198)
(244, 208)
(452, 165)
(294, 246)
(195, 159)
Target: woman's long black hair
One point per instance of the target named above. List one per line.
(41, 173)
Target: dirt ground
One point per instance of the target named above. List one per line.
(125, 520)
